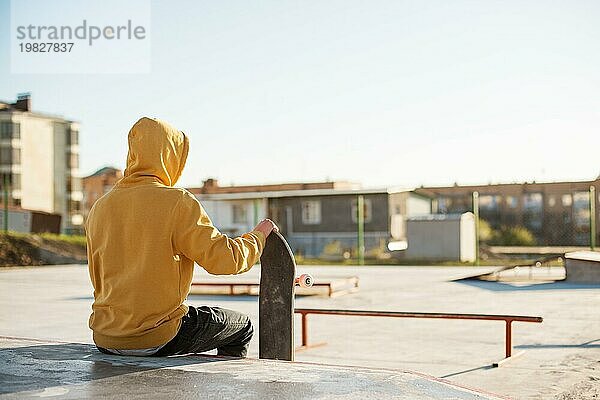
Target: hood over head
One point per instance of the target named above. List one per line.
(156, 150)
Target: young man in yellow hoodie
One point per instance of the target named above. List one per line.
(143, 238)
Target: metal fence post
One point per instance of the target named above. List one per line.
(476, 212)
(360, 219)
(5, 187)
(592, 217)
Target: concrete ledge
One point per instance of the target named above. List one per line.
(33, 369)
(583, 267)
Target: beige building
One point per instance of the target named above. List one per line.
(39, 156)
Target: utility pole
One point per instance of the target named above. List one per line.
(360, 219)
(476, 212)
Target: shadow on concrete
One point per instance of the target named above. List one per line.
(523, 286)
(467, 371)
(49, 365)
(585, 345)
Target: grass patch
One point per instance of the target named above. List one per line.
(71, 239)
(22, 249)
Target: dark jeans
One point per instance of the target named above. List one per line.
(207, 328)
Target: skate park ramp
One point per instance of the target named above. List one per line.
(32, 368)
(546, 269)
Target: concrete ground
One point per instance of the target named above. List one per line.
(561, 359)
(33, 369)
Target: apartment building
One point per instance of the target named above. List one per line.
(557, 213)
(39, 157)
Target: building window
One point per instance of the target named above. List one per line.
(512, 201)
(75, 206)
(5, 130)
(3, 178)
(73, 184)
(10, 130)
(240, 215)
(367, 210)
(14, 181)
(5, 155)
(489, 202)
(567, 200)
(533, 202)
(72, 137)
(444, 204)
(72, 160)
(551, 201)
(311, 212)
(581, 209)
(532, 210)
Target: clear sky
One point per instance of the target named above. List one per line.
(386, 93)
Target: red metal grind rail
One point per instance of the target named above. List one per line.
(508, 319)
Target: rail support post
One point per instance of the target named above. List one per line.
(508, 343)
(304, 330)
(508, 338)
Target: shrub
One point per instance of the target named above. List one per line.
(512, 236)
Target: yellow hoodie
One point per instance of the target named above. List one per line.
(143, 238)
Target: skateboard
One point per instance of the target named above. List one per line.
(276, 299)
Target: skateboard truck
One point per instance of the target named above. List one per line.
(304, 281)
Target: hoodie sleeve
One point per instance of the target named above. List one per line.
(196, 238)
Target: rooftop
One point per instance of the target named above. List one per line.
(212, 191)
(507, 184)
(105, 171)
(211, 186)
(23, 105)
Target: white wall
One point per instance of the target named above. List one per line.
(221, 214)
(417, 205)
(435, 239)
(441, 237)
(37, 165)
(467, 237)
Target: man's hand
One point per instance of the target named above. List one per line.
(266, 226)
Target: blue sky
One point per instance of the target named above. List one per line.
(387, 93)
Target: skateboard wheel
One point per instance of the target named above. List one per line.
(305, 280)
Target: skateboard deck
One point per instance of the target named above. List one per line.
(276, 300)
